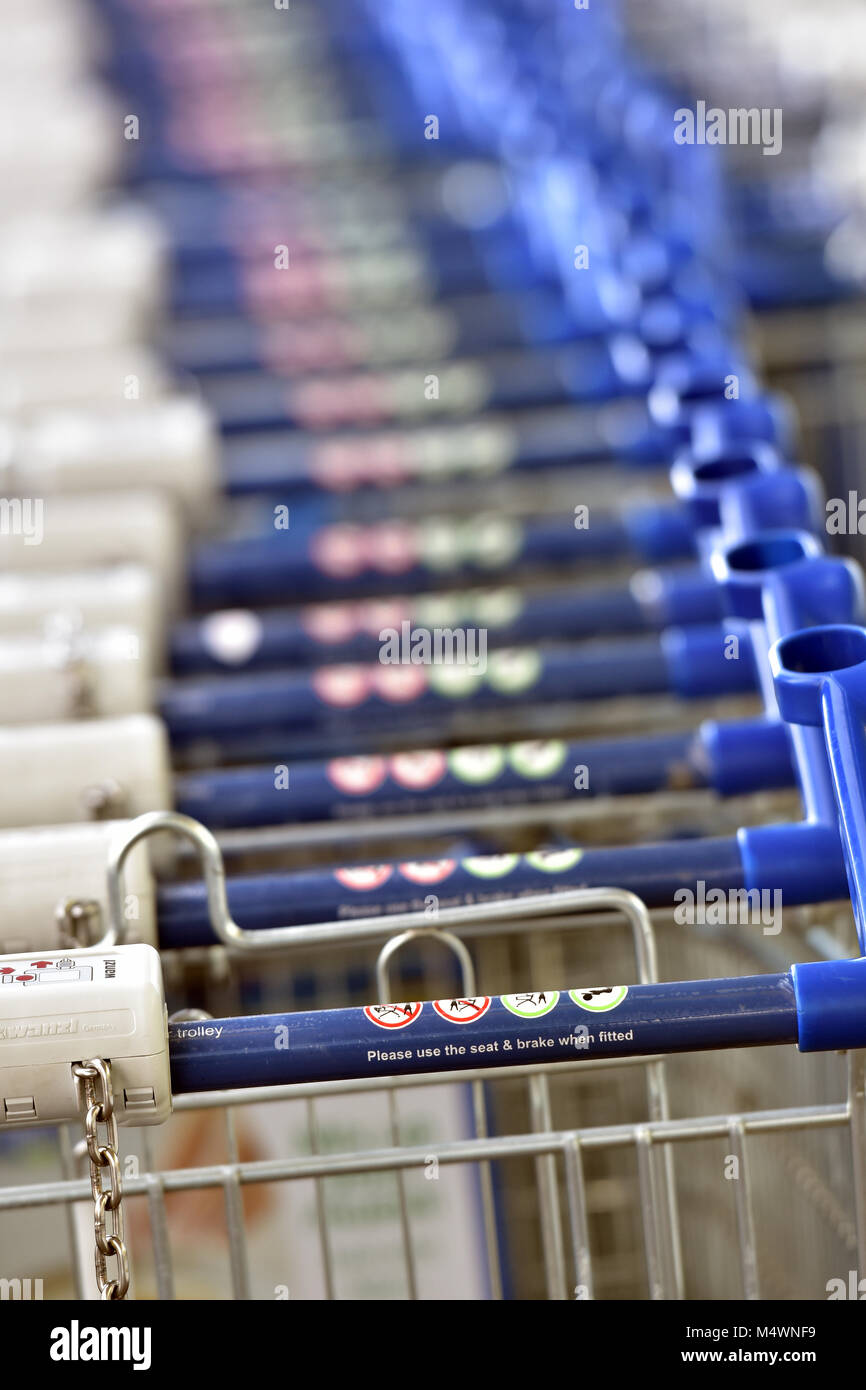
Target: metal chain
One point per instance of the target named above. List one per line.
(96, 1097)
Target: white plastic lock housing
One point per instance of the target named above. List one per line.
(84, 769)
(86, 530)
(59, 1009)
(99, 674)
(119, 596)
(172, 443)
(46, 870)
(102, 377)
(119, 255)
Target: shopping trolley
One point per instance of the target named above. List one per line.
(617, 1154)
(750, 1010)
(646, 1138)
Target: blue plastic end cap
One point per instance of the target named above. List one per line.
(783, 498)
(803, 661)
(701, 660)
(802, 862)
(701, 480)
(746, 755)
(630, 360)
(658, 532)
(618, 297)
(663, 322)
(831, 1004)
(647, 259)
(744, 567)
(696, 377)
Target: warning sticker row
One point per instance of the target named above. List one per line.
(598, 999)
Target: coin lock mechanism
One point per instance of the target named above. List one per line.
(60, 1009)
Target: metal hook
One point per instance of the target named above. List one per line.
(212, 866)
(227, 931)
(453, 943)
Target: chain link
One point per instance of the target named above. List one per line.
(96, 1098)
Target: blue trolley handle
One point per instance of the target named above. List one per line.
(819, 1006)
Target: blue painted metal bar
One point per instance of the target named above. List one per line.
(230, 641)
(517, 380)
(463, 323)
(820, 1006)
(348, 561)
(435, 780)
(655, 873)
(690, 662)
(732, 759)
(458, 1034)
(291, 463)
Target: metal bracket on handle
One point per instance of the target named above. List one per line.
(235, 938)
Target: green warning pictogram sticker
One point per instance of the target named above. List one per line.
(599, 998)
(531, 1005)
(490, 865)
(554, 861)
(538, 758)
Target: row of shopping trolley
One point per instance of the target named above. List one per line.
(409, 586)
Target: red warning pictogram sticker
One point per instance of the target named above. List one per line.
(428, 870)
(393, 1015)
(357, 776)
(461, 1010)
(363, 877)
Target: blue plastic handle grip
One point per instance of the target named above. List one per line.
(593, 371)
(733, 759)
(688, 661)
(452, 1035)
(821, 1006)
(229, 642)
(331, 563)
(437, 780)
(258, 902)
(799, 863)
(477, 323)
